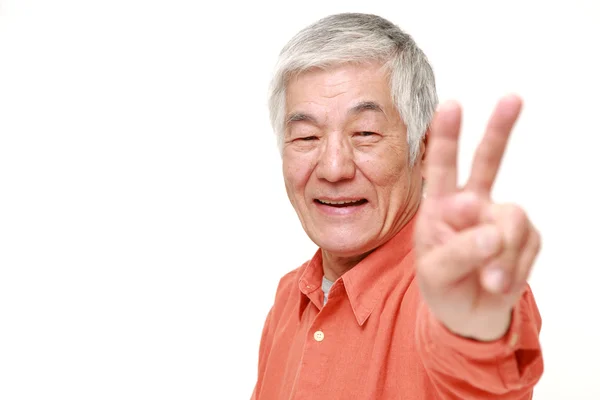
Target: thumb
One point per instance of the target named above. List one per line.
(460, 255)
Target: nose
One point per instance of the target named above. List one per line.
(336, 159)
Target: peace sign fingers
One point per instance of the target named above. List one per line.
(441, 159)
(493, 145)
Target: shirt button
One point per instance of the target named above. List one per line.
(319, 336)
(513, 340)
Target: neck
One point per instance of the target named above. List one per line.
(335, 266)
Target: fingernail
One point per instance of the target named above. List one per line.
(493, 279)
(488, 240)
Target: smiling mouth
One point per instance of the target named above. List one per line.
(341, 203)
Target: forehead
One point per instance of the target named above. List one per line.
(339, 87)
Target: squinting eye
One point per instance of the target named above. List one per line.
(366, 133)
(308, 138)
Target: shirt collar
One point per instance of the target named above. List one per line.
(369, 280)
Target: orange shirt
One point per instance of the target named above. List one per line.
(376, 339)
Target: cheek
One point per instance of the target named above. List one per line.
(383, 171)
(295, 175)
(387, 171)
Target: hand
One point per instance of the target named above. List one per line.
(473, 257)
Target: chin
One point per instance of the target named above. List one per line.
(344, 245)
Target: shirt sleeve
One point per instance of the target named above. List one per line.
(461, 368)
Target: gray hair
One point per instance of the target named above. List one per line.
(358, 38)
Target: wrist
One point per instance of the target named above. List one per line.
(489, 329)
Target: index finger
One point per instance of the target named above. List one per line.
(441, 159)
(493, 145)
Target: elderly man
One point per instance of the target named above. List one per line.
(411, 295)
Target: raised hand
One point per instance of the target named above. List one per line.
(473, 256)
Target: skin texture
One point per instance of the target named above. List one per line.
(345, 141)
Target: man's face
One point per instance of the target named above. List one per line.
(346, 159)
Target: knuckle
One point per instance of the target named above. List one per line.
(536, 240)
(517, 216)
(517, 225)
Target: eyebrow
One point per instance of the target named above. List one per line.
(300, 116)
(366, 106)
(357, 109)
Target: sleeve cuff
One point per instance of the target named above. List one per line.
(512, 363)
(438, 338)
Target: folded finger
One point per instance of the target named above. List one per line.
(461, 255)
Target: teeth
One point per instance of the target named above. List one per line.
(339, 202)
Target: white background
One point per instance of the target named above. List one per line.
(143, 221)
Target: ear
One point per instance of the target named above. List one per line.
(423, 153)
